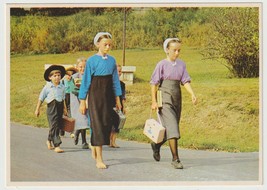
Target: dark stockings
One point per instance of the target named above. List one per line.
(174, 148)
(83, 134)
(160, 144)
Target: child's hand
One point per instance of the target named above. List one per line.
(118, 105)
(37, 113)
(154, 105)
(194, 99)
(65, 111)
(82, 107)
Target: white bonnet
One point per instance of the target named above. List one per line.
(165, 43)
(99, 34)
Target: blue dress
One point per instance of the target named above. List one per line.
(97, 66)
(81, 121)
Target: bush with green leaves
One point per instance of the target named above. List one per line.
(235, 39)
(144, 29)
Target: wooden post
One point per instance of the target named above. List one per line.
(124, 37)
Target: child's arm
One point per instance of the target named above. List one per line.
(190, 90)
(37, 111)
(65, 111)
(123, 104)
(118, 103)
(154, 104)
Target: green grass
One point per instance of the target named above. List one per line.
(226, 117)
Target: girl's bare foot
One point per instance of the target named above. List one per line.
(113, 145)
(93, 152)
(98, 157)
(116, 146)
(100, 165)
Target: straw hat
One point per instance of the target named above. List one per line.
(71, 68)
(52, 68)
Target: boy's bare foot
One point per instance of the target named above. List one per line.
(93, 152)
(100, 165)
(58, 150)
(49, 145)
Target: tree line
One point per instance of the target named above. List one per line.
(227, 34)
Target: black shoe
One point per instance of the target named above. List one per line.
(156, 154)
(177, 164)
(85, 146)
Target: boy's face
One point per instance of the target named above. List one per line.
(68, 75)
(81, 67)
(55, 78)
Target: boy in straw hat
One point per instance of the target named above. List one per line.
(68, 81)
(54, 94)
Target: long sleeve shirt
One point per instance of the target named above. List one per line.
(97, 66)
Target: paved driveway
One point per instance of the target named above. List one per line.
(132, 164)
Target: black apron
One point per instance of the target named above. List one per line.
(101, 100)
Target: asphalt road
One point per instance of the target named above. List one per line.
(31, 161)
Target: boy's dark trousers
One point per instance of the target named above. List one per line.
(54, 116)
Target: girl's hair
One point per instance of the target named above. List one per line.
(102, 37)
(81, 59)
(173, 41)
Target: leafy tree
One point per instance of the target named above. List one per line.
(235, 39)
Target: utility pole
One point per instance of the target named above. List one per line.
(124, 36)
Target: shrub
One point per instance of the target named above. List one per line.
(235, 39)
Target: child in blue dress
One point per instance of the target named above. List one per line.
(54, 94)
(102, 85)
(81, 120)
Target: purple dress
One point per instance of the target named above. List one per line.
(171, 71)
(169, 75)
